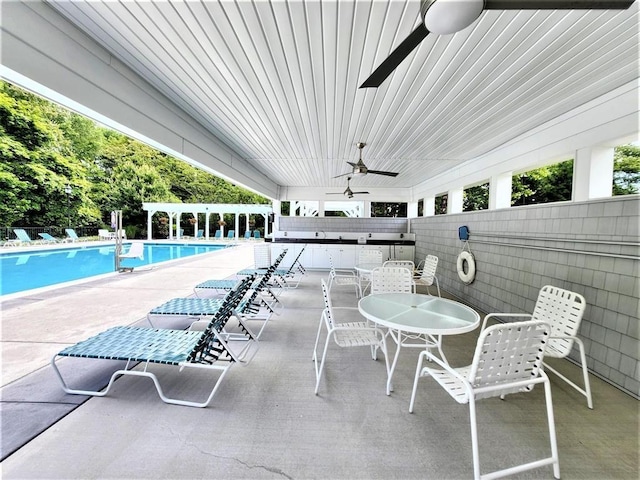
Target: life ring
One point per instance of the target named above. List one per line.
(470, 274)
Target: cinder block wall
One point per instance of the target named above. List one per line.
(589, 247)
(344, 224)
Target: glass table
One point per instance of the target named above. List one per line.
(417, 320)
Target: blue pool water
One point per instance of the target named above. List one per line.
(26, 270)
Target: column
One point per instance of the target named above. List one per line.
(592, 173)
(454, 204)
(500, 190)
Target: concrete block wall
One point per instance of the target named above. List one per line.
(344, 224)
(588, 247)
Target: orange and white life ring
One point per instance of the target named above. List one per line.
(468, 274)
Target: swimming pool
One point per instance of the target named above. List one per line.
(27, 270)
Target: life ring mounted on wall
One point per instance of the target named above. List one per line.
(466, 267)
(466, 263)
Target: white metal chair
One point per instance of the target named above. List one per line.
(343, 277)
(428, 275)
(391, 280)
(563, 310)
(408, 264)
(368, 256)
(346, 334)
(508, 359)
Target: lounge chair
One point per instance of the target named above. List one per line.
(287, 277)
(205, 350)
(256, 234)
(104, 234)
(47, 238)
(72, 236)
(200, 234)
(231, 235)
(23, 237)
(254, 307)
(218, 234)
(247, 234)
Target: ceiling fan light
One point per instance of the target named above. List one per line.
(444, 17)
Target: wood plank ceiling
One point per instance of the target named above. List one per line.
(278, 80)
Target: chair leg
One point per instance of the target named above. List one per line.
(552, 429)
(319, 370)
(415, 380)
(585, 375)
(474, 437)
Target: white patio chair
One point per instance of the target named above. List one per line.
(343, 277)
(408, 264)
(346, 334)
(508, 359)
(368, 256)
(563, 310)
(391, 280)
(428, 275)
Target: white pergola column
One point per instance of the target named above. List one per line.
(592, 173)
(277, 210)
(412, 210)
(150, 224)
(367, 209)
(321, 208)
(206, 224)
(500, 190)
(236, 225)
(429, 207)
(454, 203)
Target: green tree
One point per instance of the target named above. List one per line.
(476, 198)
(37, 163)
(543, 185)
(626, 170)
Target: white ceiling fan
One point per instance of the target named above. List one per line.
(348, 192)
(443, 17)
(360, 169)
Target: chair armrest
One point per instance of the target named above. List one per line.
(514, 315)
(445, 366)
(343, 271)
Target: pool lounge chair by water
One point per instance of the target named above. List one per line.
(72, 236)
(48, 238)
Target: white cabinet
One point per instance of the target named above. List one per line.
(384, 249)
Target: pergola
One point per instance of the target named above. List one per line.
(175, 211)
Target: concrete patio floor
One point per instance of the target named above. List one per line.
(265, 421)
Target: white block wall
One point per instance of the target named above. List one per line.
(588, 247)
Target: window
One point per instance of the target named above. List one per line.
(388, 209)
(626, 170)
(476, 198)
(441, 204)
(543, 185)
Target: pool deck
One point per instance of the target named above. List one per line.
(265, 422)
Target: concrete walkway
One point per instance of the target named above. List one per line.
(265, 422)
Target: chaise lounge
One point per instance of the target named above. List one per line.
(207, 349)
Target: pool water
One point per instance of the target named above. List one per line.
(22, 271)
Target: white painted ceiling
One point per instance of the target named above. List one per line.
(277, 81)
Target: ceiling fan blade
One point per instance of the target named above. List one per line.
(360, 193)
(396, 57)
(343, 175)
(557, 4)
(380, 172)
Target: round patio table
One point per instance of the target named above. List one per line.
(417, 320)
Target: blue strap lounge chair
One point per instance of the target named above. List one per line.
(200, 234)
(287, 277)
(23, 237)
(247, 234)
(48, 238)
(72, 236)
(254, 307)
(256, 234)
(231, 235)
(206, 350)
(218, 234)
